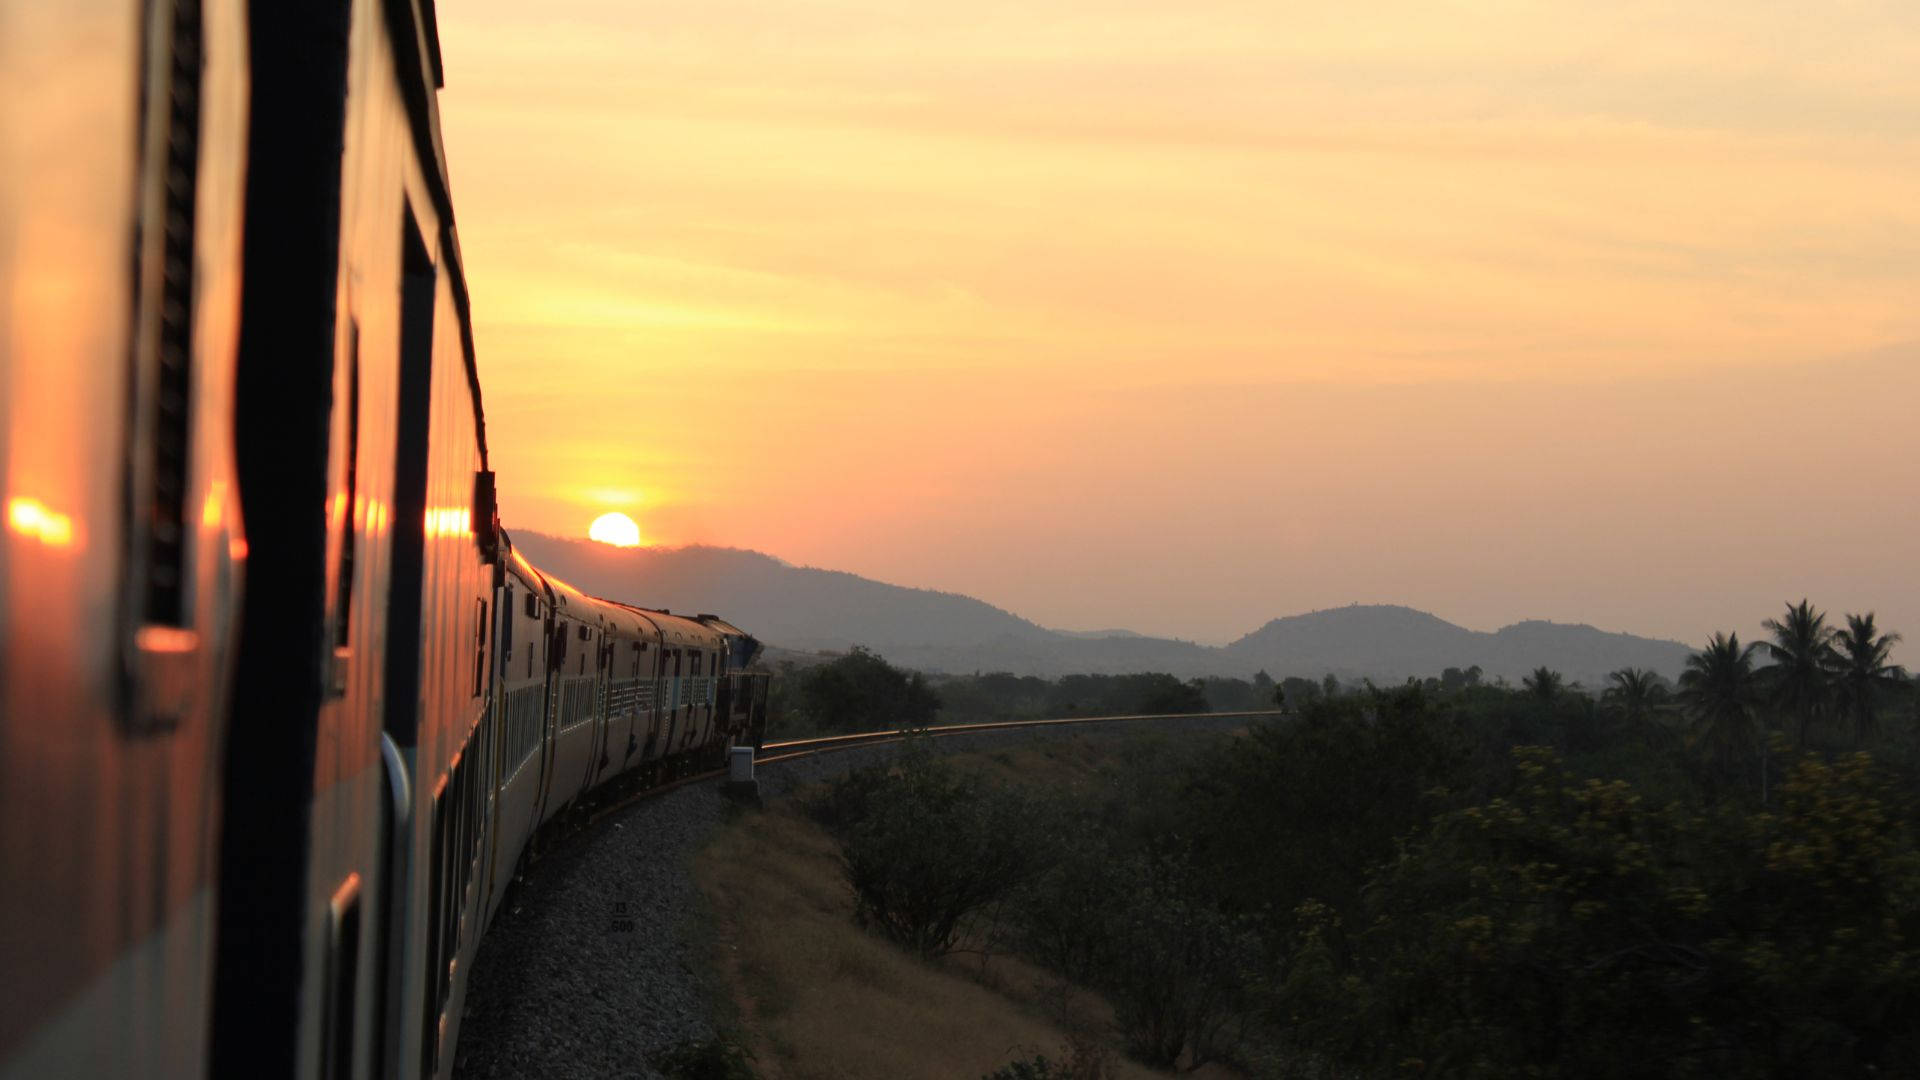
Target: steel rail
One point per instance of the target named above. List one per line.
(792, 749)
(771, 753)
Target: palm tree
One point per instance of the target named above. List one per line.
(1860, 672)
(1801, 650)
(1636, 696)
(1544, 683)
(1721, 694)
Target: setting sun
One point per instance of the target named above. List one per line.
(617, 529)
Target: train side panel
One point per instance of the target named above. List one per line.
(120, 558)
(519, 721)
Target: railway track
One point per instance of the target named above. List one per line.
(791, 749)
(798, 748)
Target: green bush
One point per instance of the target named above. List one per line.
(925, 846)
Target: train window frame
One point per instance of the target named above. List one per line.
(342, 653)
(506, 624)
(412, 422)
(166, 245)
(479, 645)
(158, 579)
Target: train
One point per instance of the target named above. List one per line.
(282, 706)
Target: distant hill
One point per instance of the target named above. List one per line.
(796, 607)
(1388, 641)
(809, 610)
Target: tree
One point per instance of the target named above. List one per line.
(1574, 929)
(1720, 693)
(925, 847)
(1860, 672)
(1172, 965)
(862, 692)
(1635, 696)
(1296, 693)
(1545, 683)
(1801, 650)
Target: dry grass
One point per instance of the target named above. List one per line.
(825, 1001)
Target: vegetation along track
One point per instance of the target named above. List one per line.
(597, 965)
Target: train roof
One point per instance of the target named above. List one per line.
(722, 625)
(678, 630)
(670, 630)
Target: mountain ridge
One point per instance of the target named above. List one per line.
(810, 609)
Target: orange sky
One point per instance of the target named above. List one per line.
(1180, 317)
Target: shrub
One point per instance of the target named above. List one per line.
(1060, 919)
(1134, 926)
(1083, 1059)
(1172, 964)
(925, 846)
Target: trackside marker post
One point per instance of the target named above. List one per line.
(741, 783)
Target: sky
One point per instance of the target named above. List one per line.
(1122, 313)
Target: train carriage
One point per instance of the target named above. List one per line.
(519, 724)
(355, 807)
(122, 155)
(259, 832)
(689, 655)
(575, 663)
(632, 643)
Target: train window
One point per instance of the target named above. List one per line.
(412, 427)
(164, 297)
(583, 632)
(506, 624)
(533, 606)
(343, 977)
(479, 645)
(343, 596)
(694, 668)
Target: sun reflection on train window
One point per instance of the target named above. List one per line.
(448, 521)
(214, 508)
(31, 517)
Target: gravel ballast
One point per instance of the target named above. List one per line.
(594, 966)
